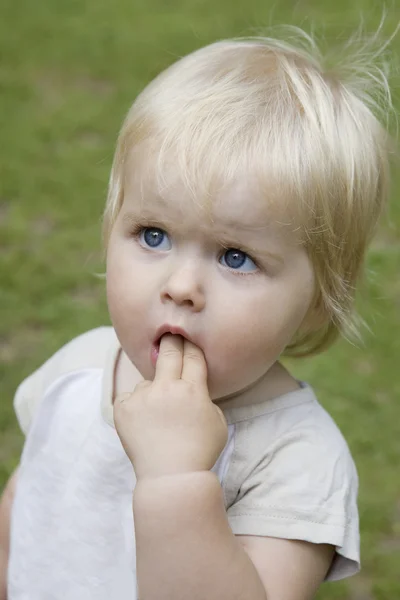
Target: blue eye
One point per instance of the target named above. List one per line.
(154, 237)
(238, 260)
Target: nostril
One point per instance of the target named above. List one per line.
(182, 292)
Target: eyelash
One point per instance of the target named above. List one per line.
(226, 247)
(138, 229)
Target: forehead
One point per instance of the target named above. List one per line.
(242, 203)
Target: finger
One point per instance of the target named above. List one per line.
(169, 361)
(124, 397)
(194, 364)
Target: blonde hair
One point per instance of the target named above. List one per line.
(273, 109)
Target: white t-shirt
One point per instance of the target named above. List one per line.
(286, 472)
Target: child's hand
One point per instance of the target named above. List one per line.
(170, 425)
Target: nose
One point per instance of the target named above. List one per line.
(185, 288)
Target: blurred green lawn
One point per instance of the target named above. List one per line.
(69, 71)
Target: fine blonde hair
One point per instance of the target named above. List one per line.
(309, 131)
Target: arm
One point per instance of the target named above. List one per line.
(6, 502)
(186, 549)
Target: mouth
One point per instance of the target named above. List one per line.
(155, 348)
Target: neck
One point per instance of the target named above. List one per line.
(276, 382)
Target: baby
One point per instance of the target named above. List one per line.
(172, 455)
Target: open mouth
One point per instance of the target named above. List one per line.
(155, 349)
(165, 330)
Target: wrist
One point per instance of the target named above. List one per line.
(176, 492)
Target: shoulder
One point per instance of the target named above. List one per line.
(295, 478)
(88, 350)
(292, 423)
(294, 437)
(6, 502)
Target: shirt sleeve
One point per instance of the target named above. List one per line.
(303, 487)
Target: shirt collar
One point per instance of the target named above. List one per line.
(107, 408)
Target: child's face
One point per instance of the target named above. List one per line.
(230, 278)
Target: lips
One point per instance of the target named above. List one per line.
(155, 348)
(173, 330)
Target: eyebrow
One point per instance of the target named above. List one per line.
(131, 218)
(146, 214)
(246, 246)
(258, 252)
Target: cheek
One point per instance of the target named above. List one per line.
(125, 307)
(123, 291)
(116, 297)
(243, 334)
(257, 329)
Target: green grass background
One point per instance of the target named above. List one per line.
(69, 70)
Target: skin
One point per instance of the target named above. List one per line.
(185, 547)
(241, 319)
(238, 324)
(6, 501)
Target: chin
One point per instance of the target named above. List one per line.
(219, 391)
(144, 367)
